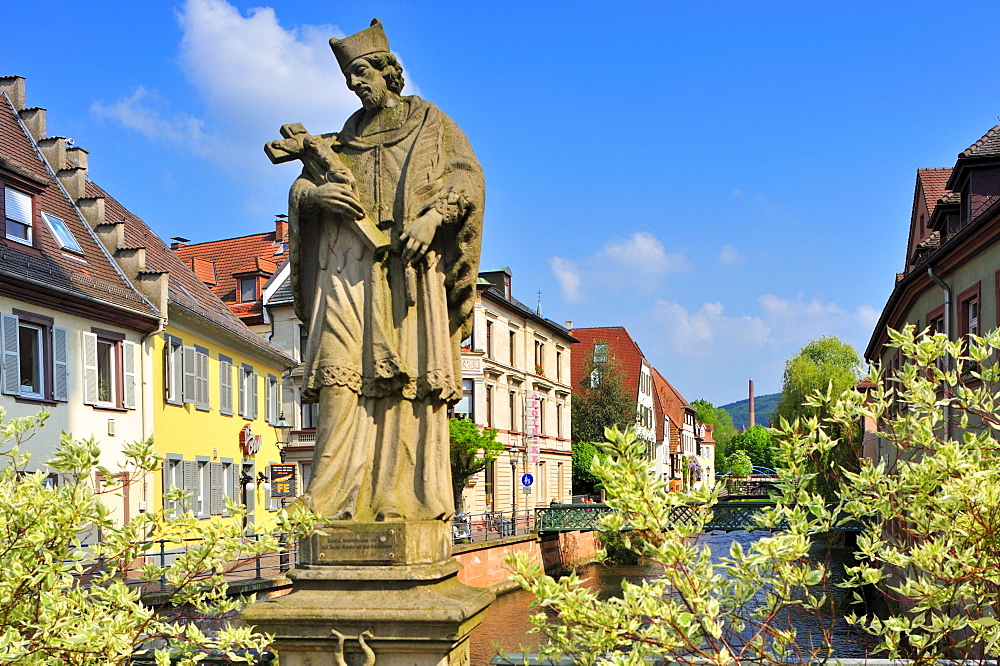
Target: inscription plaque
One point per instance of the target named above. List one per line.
(350, 546)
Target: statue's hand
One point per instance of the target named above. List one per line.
(417, 237)
(338, 198)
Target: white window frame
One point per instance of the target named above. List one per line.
(35, 392)
(173, 369)
(248, 392)
(272, 404)
(17, 213)
(61, 233)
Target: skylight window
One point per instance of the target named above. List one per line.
(62, 233)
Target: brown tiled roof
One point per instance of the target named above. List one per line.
(94, 276)
(236, 256)
(987, 146)
(932, 181)
(186, 290)
(622, 347)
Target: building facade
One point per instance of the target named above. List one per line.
(951, 278)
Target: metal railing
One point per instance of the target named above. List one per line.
(491, 525)
(252, 567)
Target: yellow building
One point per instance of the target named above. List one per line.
(215, 384)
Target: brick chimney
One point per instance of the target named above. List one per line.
(280, 228)
(14, 87)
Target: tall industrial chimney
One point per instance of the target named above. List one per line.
(751, 404)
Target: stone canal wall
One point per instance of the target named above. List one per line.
(483, 563)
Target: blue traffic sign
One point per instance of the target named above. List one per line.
(527, 480)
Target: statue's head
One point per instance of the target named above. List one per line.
(370, 69)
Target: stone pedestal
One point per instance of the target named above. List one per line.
(392, 584)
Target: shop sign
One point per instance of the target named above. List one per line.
(282, 480)
(532, 413)
(249, 442)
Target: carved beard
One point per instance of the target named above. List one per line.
(371, 97)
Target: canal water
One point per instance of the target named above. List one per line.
(507, 625)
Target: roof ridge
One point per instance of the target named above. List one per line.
(974, 148)
(224, 240)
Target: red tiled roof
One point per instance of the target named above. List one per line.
(235, 256)
(621, 347)
(95, 275)
(185, 288)
(932, 181)
(671, 403)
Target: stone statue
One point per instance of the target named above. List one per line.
(385, 226)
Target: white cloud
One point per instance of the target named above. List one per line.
(737, 192)
(730, 255)
(145, 112)
(706, 331)
(568, 276)
(636, 263)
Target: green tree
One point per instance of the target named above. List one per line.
(600, 401)
(62, 602)
(472, 450)
(758, 444)
(740, 464)
(584, 481)
(824, 365)
(929, 539)
(723, 431)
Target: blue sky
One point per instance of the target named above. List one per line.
(728, 180)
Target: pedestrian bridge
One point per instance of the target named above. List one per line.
(727, 516)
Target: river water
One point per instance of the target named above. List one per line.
(506, 625)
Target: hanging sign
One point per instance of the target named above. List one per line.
(249, 442)
(532, 413)
(282, 480)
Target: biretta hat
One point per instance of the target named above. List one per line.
(370, 40)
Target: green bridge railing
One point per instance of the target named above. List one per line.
(726, 517)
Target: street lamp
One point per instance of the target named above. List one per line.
(282, 431)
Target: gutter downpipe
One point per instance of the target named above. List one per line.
(947, 332)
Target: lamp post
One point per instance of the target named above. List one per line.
(512, 452)
(282, 431)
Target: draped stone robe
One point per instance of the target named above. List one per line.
(383, 354)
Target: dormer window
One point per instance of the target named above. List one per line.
(248, 290)
(17, 214)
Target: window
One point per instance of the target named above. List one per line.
(272, 503)
(303, 341)
(539, 357)
(513, 413)
(489, 406)
(489, 339)
(272, 402)
(308, 412)
(513, 346)
(230, 484)
(248, 289)
(61, 233)
(595, 378)
(173, 370)
(109, 370)
(600, 352)
(559, 428)
(968, 308)
(173, 477)
(34, 363)
(225, 385)
(18, 215)
(558, 366)
(248, 392)
(464, 407)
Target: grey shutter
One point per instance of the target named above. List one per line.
(271, 414)
(234, 481)
(253, 395)
(191, 485)
(60, 364)
(225, 386)
(242, 381)
(128, 363)
(190, 376)
(203, 378)
(168, 482)
(89, 368)
(215, 472)
(11, 367)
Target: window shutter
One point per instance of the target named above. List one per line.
(217, 503)
(191, 485)
(225, 386)
(168, 482)
(253, 395)
(89, 368)
(243, 392)
(270, 411)
(11, 367)
(190, 376)
(233, 470)
(60, 364)
(128, 362)
(203, 368)
(17, 206)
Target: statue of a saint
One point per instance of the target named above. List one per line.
(385, 228)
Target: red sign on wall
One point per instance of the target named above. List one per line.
(249, 442)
